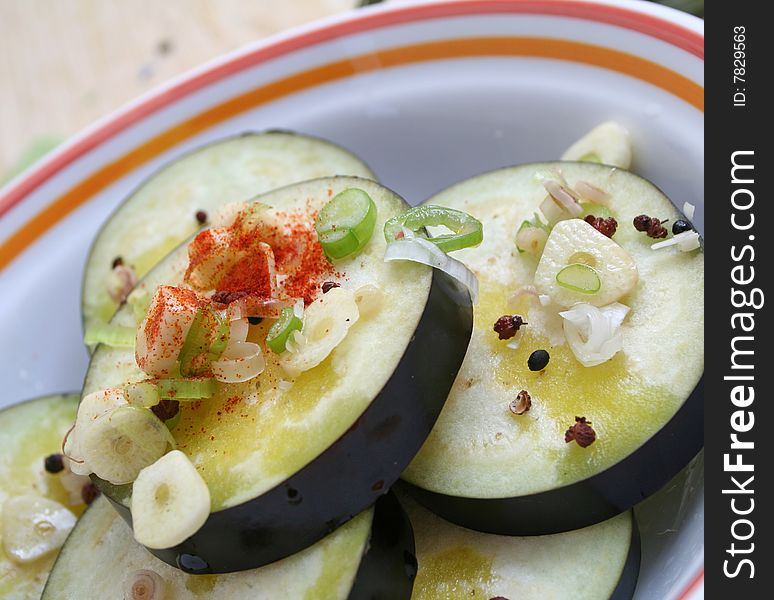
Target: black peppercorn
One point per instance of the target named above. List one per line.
(201, 217)
(538, 360)
(681, 226)
(254, 320)
(54, 463)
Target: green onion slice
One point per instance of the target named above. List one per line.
(467, 230)
(346, 223)
(206, 340)
(117, 336)
(140, 300)
(186, 389)
(142, 393)
(279, 333)
(579, 278)
(172, 423)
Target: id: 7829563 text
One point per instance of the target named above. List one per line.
(740, 66)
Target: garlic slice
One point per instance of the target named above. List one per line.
(170, 502)
(33, 526)
(92, 407)
(685, 241)
(575, 241)
(369, 299)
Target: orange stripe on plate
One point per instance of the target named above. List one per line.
(614, 60)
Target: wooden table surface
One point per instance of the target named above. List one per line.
(65, 63)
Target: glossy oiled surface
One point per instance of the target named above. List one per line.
(29, 432)
(478, 448)
(461, 564)
(250, 437)
(98, 558)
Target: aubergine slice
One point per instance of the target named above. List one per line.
(29, 432)
(599, 562)
(362, 560)
(287, 466)
(161, 212)
(485, 467)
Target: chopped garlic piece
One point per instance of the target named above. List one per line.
(685, 241)
(593, 333)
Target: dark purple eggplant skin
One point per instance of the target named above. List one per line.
(631, 571)
(389, 567)
(352, 473)
(592, 500)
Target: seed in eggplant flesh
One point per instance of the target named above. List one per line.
(54, 463)
(144, 585)
(255, 320)
(681, 226)
(538, 360)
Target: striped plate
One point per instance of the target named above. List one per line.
(427, 93)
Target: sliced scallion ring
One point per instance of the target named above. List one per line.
(172, 423)
(279, 333)
(140, 300)
(467, 230)
(143, 393)
(116, 336)
(579, 278)
(186, 389)
(206, 340)
(346, 223)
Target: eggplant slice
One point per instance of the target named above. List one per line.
(285, 468)
(362, 560)
(162, 212)
(486, 468)
(600, 562)
(29, 432)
